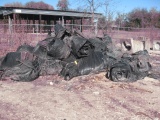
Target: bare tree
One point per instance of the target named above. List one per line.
(109, 12)
(82, 9)
(14, 4)
(121, 19)
(90, 6)
(154, 18)
(63, 4)
(93, 5)
(142, 18)
(38, 5)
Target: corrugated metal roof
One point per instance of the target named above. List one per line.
(10, 10)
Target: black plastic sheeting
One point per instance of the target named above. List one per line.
(20, 66)
(131, 67)
(50, 67)
(93, 63)
(58, 49)
(10, 60)
(81, 47)
(71, 54)
(41, 48)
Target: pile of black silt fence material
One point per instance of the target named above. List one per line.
(70, 54)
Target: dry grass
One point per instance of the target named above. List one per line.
(10, 42)
(89, 97)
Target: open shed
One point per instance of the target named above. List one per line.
(16, 15)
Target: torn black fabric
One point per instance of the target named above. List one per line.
(25, 71)
(41, 48)
(69, 71)
(94, 63)
(50, 67)
(25, 47)
(131, 67)
(98, 44)
(81, 47)
(58, 49)
(59, 30)
(10, 60)
(120, 72)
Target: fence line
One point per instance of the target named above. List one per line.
(17, 34)
(69, 26)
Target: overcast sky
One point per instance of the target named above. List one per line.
(123, 6)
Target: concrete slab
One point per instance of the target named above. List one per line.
(137, 45)
(156, 45)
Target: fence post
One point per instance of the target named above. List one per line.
(10, 24)
(96, 24)
(80, 28)
(37, 30)
(14, 22)
(62, 21)
(40, 18)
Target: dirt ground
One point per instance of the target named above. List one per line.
(90, 97)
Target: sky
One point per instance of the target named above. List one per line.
(122, 6)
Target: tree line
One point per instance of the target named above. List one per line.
(31, 4)
(139, 18)
(61, 5)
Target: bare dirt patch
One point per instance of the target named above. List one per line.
(90, 97)
(83, 98)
